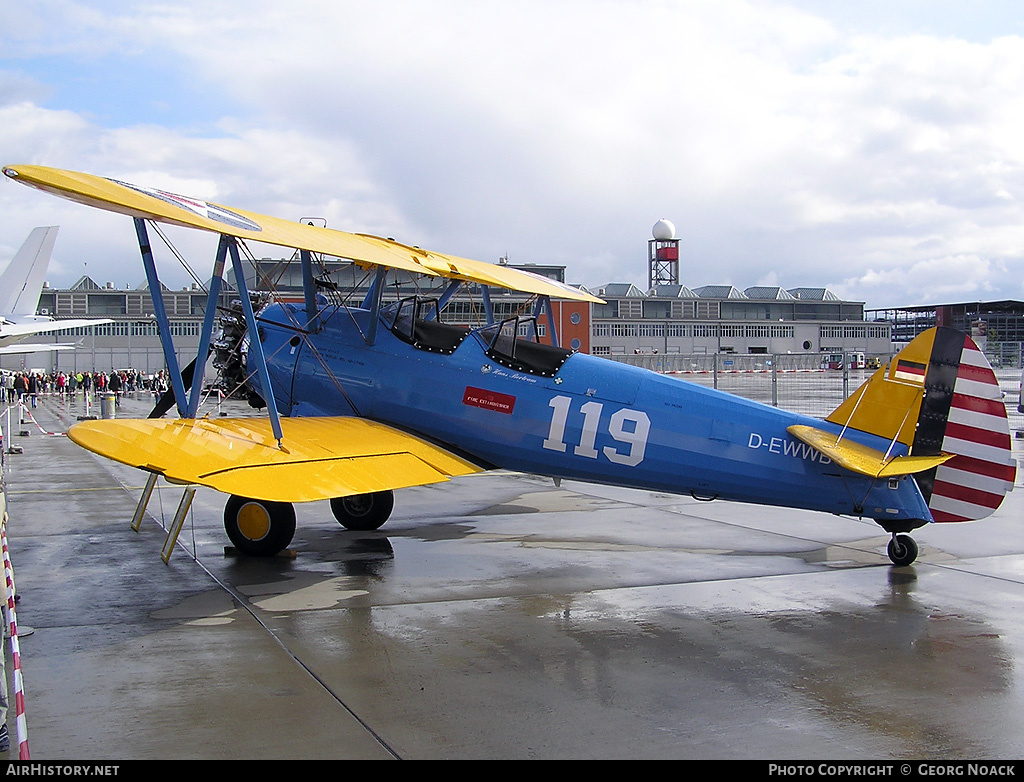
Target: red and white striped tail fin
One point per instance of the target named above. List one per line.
(973, 483)
(939, 396)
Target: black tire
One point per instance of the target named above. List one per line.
(363, 512)
(902, 550)
(259, 528)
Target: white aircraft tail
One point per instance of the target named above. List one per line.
(22, 280)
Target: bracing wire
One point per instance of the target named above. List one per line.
(181, 259)
(269, 283)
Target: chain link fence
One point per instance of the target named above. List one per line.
(805, 383)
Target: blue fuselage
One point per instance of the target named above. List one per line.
(591, 420)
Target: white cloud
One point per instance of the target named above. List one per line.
(783, 144)
(948, 279)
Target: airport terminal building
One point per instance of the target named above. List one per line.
(997, 326)
(680, 325)
(129, 341)
(668, 320)
(720, 319)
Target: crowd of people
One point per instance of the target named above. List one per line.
(29, 386)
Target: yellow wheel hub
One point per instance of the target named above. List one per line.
(253, 521)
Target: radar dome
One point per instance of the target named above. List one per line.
(664, 230)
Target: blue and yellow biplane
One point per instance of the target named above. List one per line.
(363, 399)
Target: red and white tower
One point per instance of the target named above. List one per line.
(663, 255)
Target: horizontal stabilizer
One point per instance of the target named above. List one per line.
(22, 348)
(48, 326)
(862, 458)
(320, 458)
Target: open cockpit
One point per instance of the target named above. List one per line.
(417, 320)
(512, 343)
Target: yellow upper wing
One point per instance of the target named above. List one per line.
(161, 206)
(323, 457)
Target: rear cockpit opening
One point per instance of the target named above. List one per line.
(513, 344)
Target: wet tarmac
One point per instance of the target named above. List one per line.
(501, 616)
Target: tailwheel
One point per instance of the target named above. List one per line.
(363, 512)
(259, 528)
(902, 550)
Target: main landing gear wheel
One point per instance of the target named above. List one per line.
(902, 550)
(259, 527)
(363, 512)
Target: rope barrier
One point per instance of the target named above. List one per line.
(25, 412)
(739, 371)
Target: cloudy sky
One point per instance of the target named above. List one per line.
(876, 148)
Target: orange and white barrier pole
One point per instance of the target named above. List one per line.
(12, 620)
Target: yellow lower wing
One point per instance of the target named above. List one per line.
(321, 457)
(862, 458)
